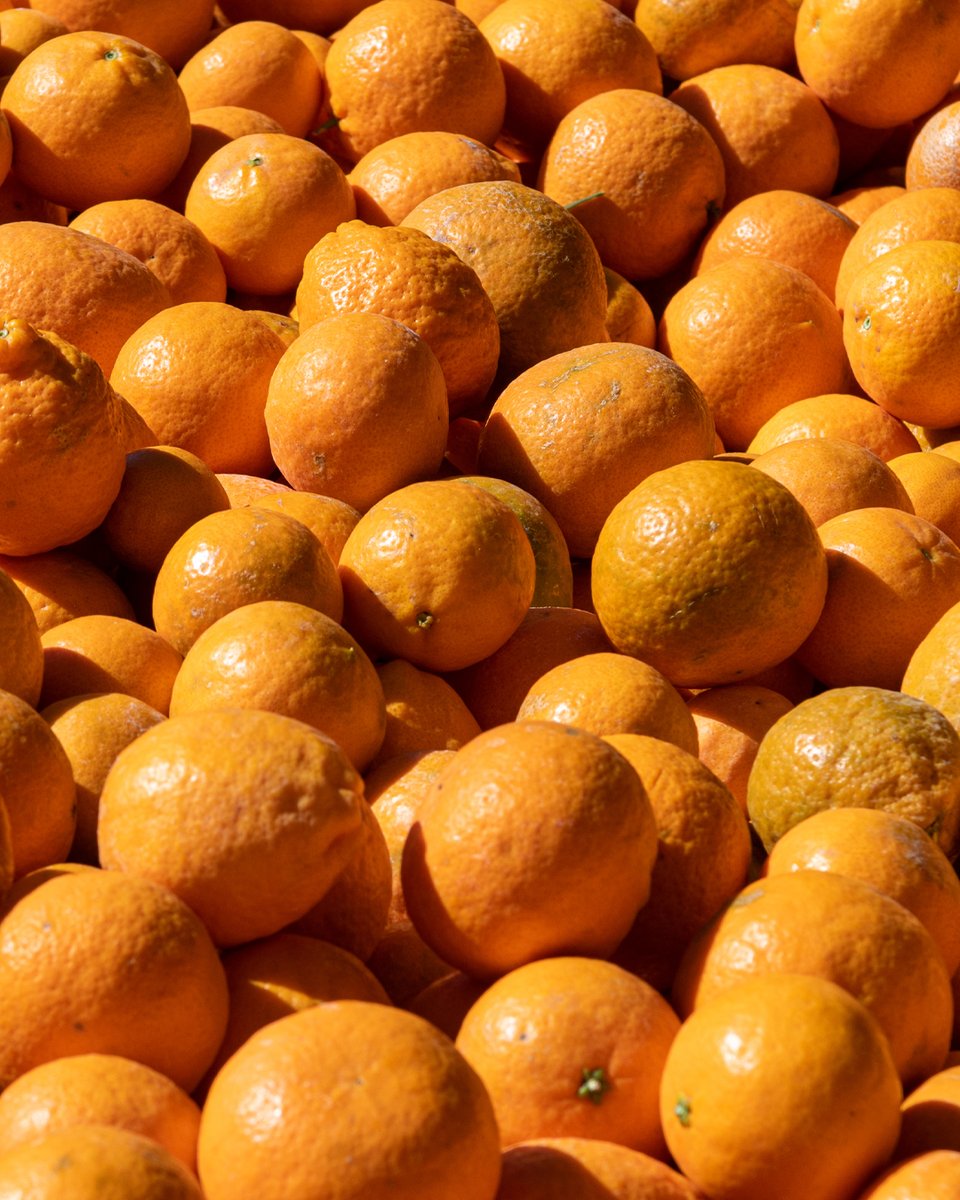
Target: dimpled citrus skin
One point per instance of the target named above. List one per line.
(96, 116)
(850, 55)
(837, 928)
(247, 815)
(581, 428)
(95, 1162)
(404, 274)
(553, 56)
(901, 328)
(658, 172)
(273, 1130)
(709, 571)
(861, 746)
(99, 1089)
(481, 807)
(535, 261)
(437, 573)
(782, 1087)
(405, 65)
(101, 961)
(61, 441)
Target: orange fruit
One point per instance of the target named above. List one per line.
(846, 55)
(354, 913)
(858, 747)
(256, 64)
(931, 1116)
(173, 248)
(423, 711)
(33, 879)
(830, 476)
(691, 37)
(610, 693)
(171, 28)
(572, 1047)
(198, 374)
(96, 1162)
(859, 201)
(732, 582)
(247, 491)
(22, 30)
(90, 293)
(891, 853)
(143, 980)
(406, 275)
(900, 320)
(731, 721)
(931, 161)
(395, 175)
(930, 674)
(890, 576)
(62, 584)
(771, 129)
(572, 1168)
(108, 654)
(329, 519)
(750, 364)
(554, 580)
(285, 657)
(298, 15)
(20, 203)
(164, 490)
(534, 259)
(784, 1078)
(400, 66)
(600, 819)
(446, 1001)
(837, 415)
(928, 214)
(93, 729)
(582, 428)
(440, 1136)
(436, 573)
(808, 922)
(248, 816)
(238, 557)
(96, 116)
(643, 177)
(283, 974)
(934, 1175)
(211, 128)
(932, 481)
(99, 1089)
(397, 788)
(357, 443)
(629, 317)
(495, 687)
(263, 200)
(37, 787)
(61, 440)
(554, 56)
(703, 855)
(22, 667)
(790, 227)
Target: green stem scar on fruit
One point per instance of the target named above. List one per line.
(424, 620)
(682, 1110)
(594, 1085)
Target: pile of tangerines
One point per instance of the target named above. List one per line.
(479, 599)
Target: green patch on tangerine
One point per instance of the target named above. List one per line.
(682, 1110)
